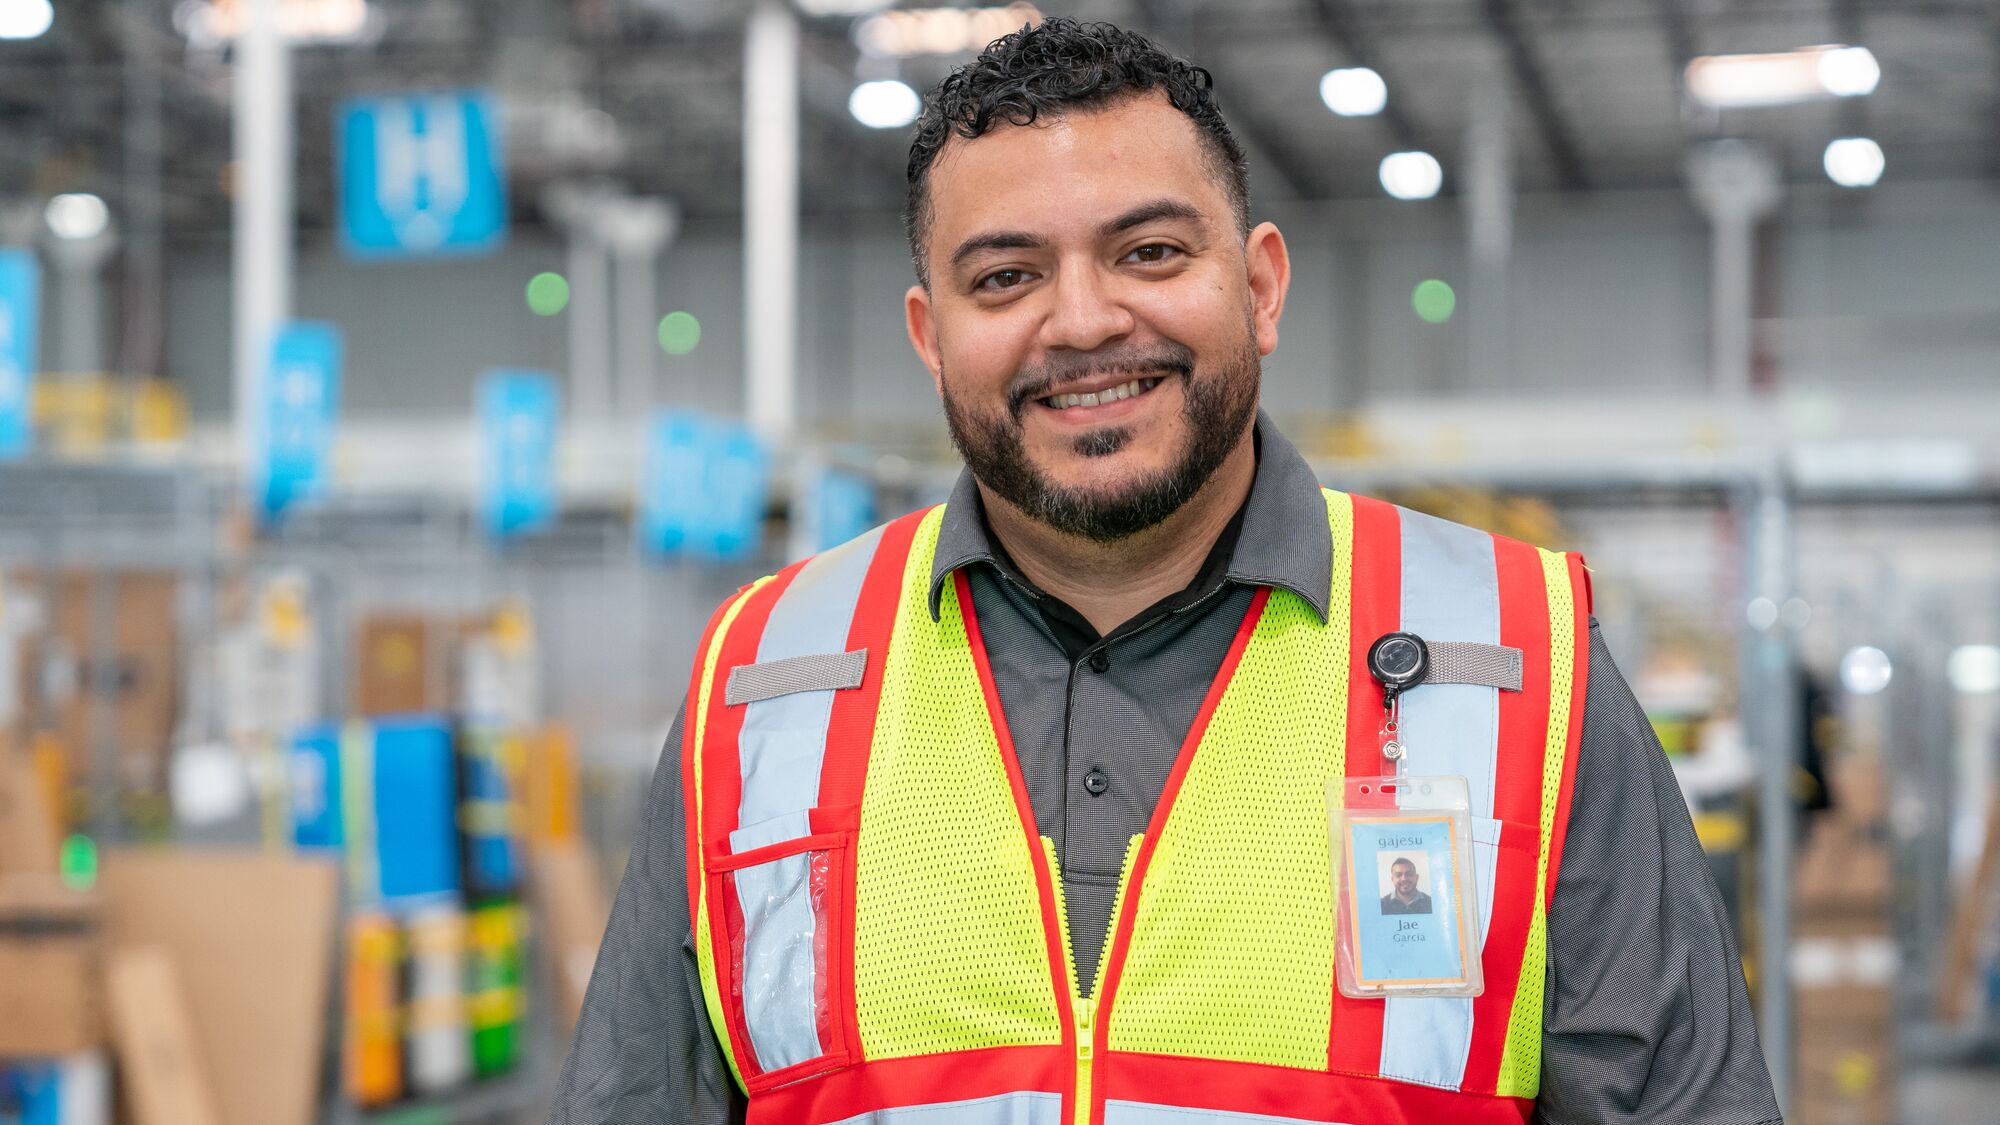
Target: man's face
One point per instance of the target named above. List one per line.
(1094, 321)
(1404, 874)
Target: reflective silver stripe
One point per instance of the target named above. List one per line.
(780, 750)
(1140, 1113)
(784, 738)
(823, 671)
(1451, 592)
(1464, 662)
(1023, 1108)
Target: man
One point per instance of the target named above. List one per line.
(1403, 896)
(1015, 809)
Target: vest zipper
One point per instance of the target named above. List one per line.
(1083, 1013)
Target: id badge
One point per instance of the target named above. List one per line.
(1404, 887)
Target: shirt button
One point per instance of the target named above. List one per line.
(1100, 660)
(1095, 783)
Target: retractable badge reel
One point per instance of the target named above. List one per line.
(1401, 846)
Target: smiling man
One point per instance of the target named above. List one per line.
(1016, 810)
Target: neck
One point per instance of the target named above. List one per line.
(1110, 583)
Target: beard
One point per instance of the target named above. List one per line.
(1216, 407)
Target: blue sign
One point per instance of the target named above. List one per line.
(517, 422)
(706, 487)
(19, 317)
(421, 175)
(843, 507)
(301, 399)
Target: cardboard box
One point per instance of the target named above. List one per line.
(571, 914)
(29, 836)
(49, 967)
(166, 1077)
(251, 939)
(114, 636)
(401, 665)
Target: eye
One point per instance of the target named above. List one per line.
(1153, 252)
(1003, 279)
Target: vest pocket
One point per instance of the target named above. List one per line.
(778, 890)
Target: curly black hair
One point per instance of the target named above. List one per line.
(1052, 68)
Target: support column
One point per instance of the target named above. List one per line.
(1736, 184)
(771, 220)
(262, 250)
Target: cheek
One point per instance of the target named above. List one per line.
(983, 350)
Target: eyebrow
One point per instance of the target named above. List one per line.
(1149, 213)
(1144, 213)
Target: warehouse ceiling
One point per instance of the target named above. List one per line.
(118, 101)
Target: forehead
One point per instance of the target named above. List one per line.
(1075, 168)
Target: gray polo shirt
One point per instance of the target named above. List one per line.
(1646, 1017)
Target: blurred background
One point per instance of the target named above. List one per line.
(390, 388)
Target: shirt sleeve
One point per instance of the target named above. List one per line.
(1646, 1015)
(644, 1052)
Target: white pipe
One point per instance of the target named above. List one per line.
(1489, 228)
(262, 248)
(771, 219)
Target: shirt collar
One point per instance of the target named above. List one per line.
(1284, 540)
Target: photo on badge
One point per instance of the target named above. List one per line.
(1403, 905)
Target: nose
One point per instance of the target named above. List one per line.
(1087, 313)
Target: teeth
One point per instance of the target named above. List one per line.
(1115, 394)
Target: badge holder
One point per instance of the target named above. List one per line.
(1403, 875)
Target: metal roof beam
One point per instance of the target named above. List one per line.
(1529, 74)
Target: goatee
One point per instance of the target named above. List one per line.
(1216, 407)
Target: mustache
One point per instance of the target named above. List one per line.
(1031, 383)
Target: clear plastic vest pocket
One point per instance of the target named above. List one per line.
(778, 890)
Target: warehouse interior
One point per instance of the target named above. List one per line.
(391, 389)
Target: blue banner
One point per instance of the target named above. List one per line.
(517, 422)
(706, 487)
(301, 401)
(421, 175)
(843, 507)
(20, 313)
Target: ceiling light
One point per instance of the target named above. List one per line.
(1411, 175)
(1865, 670)
(842, 7)
(939, 31)
(1849, 72)
(887, 104)
(1854, 162)
(25, 19)
(76, 216)
(1353, 91)
(1782, 78)
(1974, 669)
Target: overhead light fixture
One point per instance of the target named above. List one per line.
(1866, 670)
(212, 23)
(1354, 91)
(887, 104)
(1854, 162)
(26, 19)
(1849, 72)
(842, 7)
(909, 32)
(76, 216)
(1411, 175)
(1782, 78)
(1974, 669)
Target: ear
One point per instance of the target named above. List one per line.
(1270, 268)
(922, 325)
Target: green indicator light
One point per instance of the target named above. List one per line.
(78, 863)
(548, 294)
(1433, 300)
(679, 333)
